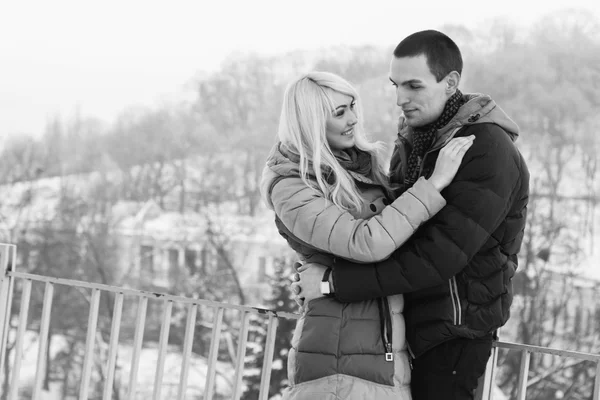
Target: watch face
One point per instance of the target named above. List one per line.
(325, 288)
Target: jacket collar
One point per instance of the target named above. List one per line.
(478, 109)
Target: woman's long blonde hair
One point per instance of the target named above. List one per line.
(307, 103)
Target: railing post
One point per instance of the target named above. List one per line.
(523, 375)
(7, 263)
(187, 350)
(486, 385)
(163, 342)
(88, 360)
(16, 370)
(113, 347)
(140, 324)
(40, 369)
(213, 354)
(265, 379)
(241, 354)
(597, 382)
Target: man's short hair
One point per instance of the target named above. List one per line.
(442, 54)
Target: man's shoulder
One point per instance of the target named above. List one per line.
(493, 149)
(489, 135)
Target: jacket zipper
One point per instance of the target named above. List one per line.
(455, 300)
(386, 327)
(411, 356)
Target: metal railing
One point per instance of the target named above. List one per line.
(8, 277)
(523, 377)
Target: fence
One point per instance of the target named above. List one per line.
(9, 277)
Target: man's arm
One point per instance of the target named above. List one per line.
(478, 200)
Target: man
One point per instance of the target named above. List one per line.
(457, 268)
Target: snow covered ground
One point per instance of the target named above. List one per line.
(146, 373)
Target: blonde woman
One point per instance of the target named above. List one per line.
(331, 196)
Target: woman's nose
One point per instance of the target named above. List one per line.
(353, 120)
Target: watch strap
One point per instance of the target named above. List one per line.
(325, 287)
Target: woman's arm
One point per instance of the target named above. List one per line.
(319, 223)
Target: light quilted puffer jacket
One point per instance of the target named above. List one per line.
(339, 349)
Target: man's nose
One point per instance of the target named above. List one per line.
(401, 97)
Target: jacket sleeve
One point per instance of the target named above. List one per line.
(478, 199)
(313, 219)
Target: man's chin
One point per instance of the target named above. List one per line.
(413, 122)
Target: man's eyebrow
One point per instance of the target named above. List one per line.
(408, 82)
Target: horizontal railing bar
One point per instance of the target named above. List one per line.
(142, 293)
(546, 350)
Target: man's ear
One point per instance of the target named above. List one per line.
(452, 81)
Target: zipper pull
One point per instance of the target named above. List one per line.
(389, 356)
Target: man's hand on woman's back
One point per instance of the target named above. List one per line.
(306, 282)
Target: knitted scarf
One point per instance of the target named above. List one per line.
(423, 137)
(357, 161)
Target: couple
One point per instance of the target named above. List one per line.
(406, 277)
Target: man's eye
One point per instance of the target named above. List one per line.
(415, 87)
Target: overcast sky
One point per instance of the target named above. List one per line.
(100, 57)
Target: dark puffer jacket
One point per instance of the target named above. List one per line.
(456, 270)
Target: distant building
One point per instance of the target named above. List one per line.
(156, 246)
(160, 246)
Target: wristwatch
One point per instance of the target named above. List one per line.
(325, 286)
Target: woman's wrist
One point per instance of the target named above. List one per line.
(436, 183)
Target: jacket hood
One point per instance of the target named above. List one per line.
(478, 109)
(278, 165)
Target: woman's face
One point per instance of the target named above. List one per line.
(340, 125)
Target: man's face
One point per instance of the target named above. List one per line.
(420, 96)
